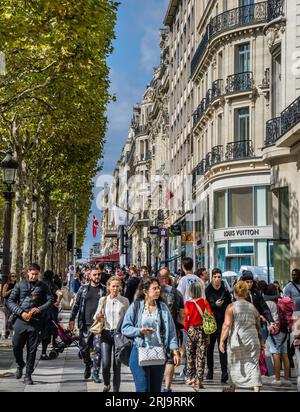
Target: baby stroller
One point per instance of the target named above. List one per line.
(67, 339)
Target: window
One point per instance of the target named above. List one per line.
(242, 58)
(220, 130)
(221, 256)
(220, 209)
(284, 213)
(220, 65)
(246, 12)
(242, 124)
(237, 247)
(240, 207)
(276, 83)
(263, 206)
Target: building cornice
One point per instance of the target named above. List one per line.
(171, 12)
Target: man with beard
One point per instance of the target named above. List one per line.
(28, 301)
(85, 306)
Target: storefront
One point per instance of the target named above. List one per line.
(242, 227)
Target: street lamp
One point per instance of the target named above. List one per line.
(9, 168)
(51, 237)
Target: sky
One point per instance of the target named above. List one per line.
(136, 52)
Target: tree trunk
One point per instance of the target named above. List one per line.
(45, 215)
(28, 228)
(16, 260)
(35, 235)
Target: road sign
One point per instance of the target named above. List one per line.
(175, 230)
(187, 237)
(154, 230)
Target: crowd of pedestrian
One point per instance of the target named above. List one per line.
(166, 320)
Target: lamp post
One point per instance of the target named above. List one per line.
(9, 168)
(51, 237)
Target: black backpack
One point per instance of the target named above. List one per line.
(123, 344)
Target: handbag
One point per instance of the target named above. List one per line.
(98, 325)
(151, 356)
(209, 324)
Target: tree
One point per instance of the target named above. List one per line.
(53, 100)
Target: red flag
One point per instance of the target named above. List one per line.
(95, 226)
(169, 196)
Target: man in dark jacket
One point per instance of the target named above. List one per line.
(256, 297)
(28, 301)
(132, 285)
(85, 306)
(218, 298)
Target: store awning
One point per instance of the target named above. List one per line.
(106, 259)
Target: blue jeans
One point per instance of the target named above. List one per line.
(146, 378)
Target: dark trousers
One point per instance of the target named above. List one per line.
(107, 350)
(88, 341)
(25, 334)
(210, 353)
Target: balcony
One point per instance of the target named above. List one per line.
(241, 149)
(212, 94)
(141, 130)
(273, 131)
(144, 157)
(277, 127)
(216, 154)
(239, 82)
(234, 151)
(252, 14)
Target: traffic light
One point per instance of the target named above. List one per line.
(70, 242)
(79, 254)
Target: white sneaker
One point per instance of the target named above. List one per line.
(286, 382)
(275, 382)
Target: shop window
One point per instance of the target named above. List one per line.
(240, 248)
(241, 207)
(219, 209)
(221, 256)
(284, 213)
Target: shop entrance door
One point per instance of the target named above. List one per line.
(233, 263)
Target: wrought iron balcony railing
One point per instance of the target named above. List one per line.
(290, 116)
(200, 51)
(141, 130)
(277, 127)
(275, 9)
(273, 131)
(239, 82)
(216, 154)
(217, 89)
(212, 94)
(239, 150)
(257, 13)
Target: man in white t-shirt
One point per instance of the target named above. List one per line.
(189, 278)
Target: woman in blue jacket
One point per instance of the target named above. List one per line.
(154, 326)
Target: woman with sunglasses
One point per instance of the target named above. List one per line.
(150, 324)
(7, 288)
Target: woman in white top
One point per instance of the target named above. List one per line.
(113, 308)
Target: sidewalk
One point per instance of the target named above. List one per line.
(65, 374)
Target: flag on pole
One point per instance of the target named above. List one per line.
(120, 216)
(169, 197)
(95, 226)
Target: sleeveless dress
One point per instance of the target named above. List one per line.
(244, 347)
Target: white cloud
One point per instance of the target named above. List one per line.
(119, 112)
